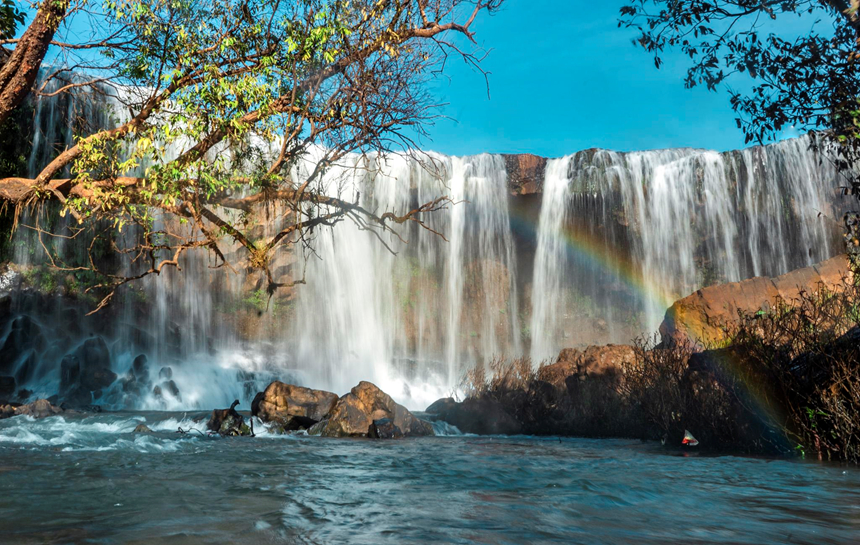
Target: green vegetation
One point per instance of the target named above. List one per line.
(228, 82)
(810, 81)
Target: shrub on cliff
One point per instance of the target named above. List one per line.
(787, 380)
(561, 401)
(802, 363)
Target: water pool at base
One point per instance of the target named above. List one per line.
(90, 480)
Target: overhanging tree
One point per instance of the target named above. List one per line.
(811, 81)
(221, 100)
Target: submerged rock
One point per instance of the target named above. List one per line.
(291, 407)
(41, 408)
(355, 413)
(228, 422)
(481, 416)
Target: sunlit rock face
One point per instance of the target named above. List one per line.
(538, 255)
(704, 317)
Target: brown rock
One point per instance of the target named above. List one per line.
(354, 414)
(701, 318)
(284, 403)
(41, 408)
(525, 173)
(605, 360)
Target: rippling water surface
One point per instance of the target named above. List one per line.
(90, 480)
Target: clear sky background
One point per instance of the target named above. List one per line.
(564, 77)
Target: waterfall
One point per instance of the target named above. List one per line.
(550, 267)
(666, 223)
(610, 242)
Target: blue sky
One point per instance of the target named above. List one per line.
(564, 77)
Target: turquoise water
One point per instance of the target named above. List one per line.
(90, 480)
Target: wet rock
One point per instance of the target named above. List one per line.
(165, 373)
(27, 368)
(354, 414)
(142, 428)
(24, 336)
(384, 428)
(140, 368)
(228, 422)
(171, 387)
(70, 372)
(134, 337)
(292, 407)
(292, 423)
(94, 353)
(157, 393)
(7, 387)
(481, 416)
(41, 408)
(441, 405)
(86, 372)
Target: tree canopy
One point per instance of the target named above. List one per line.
(218, 101)
(808, 81)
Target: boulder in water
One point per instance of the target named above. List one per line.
(481, 416)
(228, 422)
(165, 373)
(142, 428)
(354, 414)
(41, 408)
(292, 407)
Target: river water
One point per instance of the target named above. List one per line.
(90, 480)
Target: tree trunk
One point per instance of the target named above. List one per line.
(22, 67)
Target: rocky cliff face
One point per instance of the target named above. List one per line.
(525, 173)
(702, 317)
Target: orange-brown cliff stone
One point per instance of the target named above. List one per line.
(593, 361)
(525, 173)
(701, 318)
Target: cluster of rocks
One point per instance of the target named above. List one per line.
(137, 381)
(41, 408)
(86, 372)
(366, 411)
